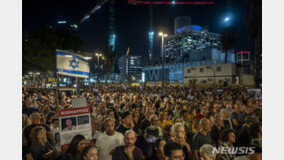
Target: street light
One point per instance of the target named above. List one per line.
(227, 20)
(162, 50)
(98, 55)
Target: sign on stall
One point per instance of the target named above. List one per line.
(72, 122)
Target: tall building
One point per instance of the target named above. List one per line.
(190, 40)
(130, 67)
(191, 45)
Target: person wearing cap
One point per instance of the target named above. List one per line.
(127, 123)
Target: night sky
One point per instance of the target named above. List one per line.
(132, 21)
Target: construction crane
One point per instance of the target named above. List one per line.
(111, 30)
(153, 2)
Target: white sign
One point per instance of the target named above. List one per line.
(79, 102)
(72, 122)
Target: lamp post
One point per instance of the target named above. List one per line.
(162, 50)
(227, 20)
(98, 56)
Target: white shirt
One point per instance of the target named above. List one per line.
(66, 129)
(107, 143)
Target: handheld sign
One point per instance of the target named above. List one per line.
(72, 122)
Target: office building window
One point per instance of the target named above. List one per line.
(218, 69)
(201, 70)
(188, 70)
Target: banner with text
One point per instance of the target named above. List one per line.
(72, 122)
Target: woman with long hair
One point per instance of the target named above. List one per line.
(164, 120)
(74, 151)
(40, 148)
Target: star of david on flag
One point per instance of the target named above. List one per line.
(71, 64)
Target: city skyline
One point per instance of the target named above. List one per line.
(132, 21)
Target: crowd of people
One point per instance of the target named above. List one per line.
(141, 123)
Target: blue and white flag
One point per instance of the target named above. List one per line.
(71, 64)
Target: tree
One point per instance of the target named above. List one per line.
(108, 57)
(40, 45)
(254, 26)
(228, 39)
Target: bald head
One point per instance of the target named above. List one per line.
(205, 125)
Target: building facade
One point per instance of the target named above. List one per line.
(211, 74)
(130, 67)
(189, 41)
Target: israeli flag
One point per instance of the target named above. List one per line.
(71, 64)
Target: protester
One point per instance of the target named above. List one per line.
(206, 152)
(90, 153)
(217, 129)
(228, 138)
(173, 151)
(107, 141)
(74, 151)
(188, 116)
(201, 137)
(129, 151)
(146, 140)
(40, 148)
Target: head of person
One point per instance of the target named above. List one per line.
(50, 116)
(77, 144)
(95, 123)
(206, 152)
(90, 153)
(38, 134)
(35, 118)
(126, 118)
(173, 151)
(154, 120)
(110, 113)
(236, 108)
(129, 138)
(255, 130)
(42, 118)
(151, 133)
(224, 112)
(163, 116)
(168, 133)
(218, 120)
(25, 120)
(55, 122)
(102, 110)
(205, 124)
(135, 113)
(179, 131)
(228, 136)
(159, 146)
(177, 120)
(109, 126)
(150, 112)
(68, 122)
(204, 111)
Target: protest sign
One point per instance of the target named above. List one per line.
(72, 122)
(79, 102)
